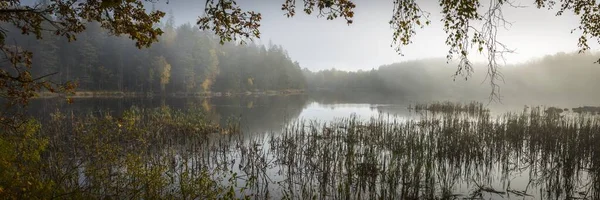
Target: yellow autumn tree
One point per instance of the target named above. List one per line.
(164, 71)
(212, 71)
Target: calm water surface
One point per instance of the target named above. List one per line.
(256, 113)
(301, 146)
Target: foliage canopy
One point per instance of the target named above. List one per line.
(64, 18)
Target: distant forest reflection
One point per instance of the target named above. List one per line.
(276, 150)
(255, 113)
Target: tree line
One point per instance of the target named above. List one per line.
(189, 60)
(562, 77)
(185, 60)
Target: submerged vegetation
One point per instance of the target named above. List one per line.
(166, 153)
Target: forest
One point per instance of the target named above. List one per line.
(185, 60)
(572, 75)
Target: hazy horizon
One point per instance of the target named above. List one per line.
(317, 43)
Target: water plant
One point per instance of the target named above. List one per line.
(462, 153)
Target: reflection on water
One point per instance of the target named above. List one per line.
(530, 155)
(257, 114)
(307, 150)
(328, 112)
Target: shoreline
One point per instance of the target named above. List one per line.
(117, 94)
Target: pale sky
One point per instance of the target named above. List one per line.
(318, 43)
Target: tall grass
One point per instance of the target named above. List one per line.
(164, 153)
(442, 157)
(143, 154)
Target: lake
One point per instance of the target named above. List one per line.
(258, 113)
(333, 147)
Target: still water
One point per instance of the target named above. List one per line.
(303, 146)
(256, 113)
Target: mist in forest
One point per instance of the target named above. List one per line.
(308, 53)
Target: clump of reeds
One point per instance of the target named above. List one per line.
(554, 110)
(587, 109)
(425, 158)
(451, 107)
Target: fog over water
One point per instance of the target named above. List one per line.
(322, 44)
